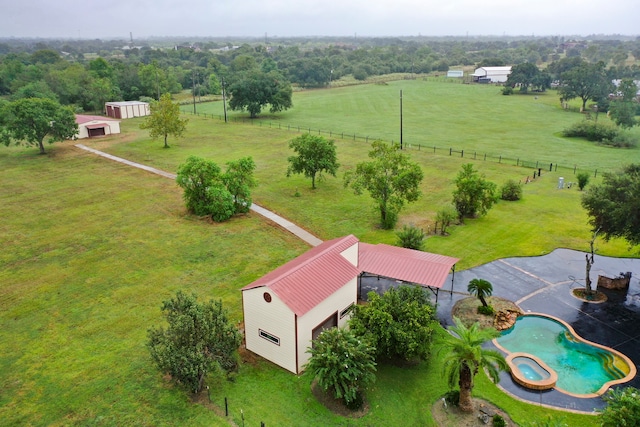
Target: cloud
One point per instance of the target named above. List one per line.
(73, 18)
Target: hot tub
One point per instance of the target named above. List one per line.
(531, 372)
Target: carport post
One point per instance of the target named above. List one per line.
(453, 276)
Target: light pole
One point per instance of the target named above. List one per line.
(401, 119)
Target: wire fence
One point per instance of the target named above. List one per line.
(234, 415)
(537, 166)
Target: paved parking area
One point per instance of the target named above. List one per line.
(543, 284)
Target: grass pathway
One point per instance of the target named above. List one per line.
(282, 222)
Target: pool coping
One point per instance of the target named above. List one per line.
(543, 384)
(606, 386)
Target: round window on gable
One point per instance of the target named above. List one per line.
(267, 296)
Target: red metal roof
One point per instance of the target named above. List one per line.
(309, 279)
(97, 125)
(82, 118)
(408, 265)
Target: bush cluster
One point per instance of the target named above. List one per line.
(592, 131)
(622, 140)
(208, 191)
(486, 310)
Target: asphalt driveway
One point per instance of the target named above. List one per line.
(543, 284)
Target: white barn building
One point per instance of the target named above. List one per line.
(289, 307)
(127, 109)
(90, 126)
(491, 74)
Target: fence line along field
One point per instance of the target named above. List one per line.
(470, 118)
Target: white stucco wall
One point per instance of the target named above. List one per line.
(276, 319)
(336, 302)
(111, 127)
(351, 254)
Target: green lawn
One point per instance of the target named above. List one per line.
(92, 248)
(473, 118)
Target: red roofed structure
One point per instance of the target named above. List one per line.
(287, 308)
(90, 126)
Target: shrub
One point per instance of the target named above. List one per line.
(622, 140)
(445, 217)
(623, 408)
(507, 90)
(343, 364)
(583, 179)
(498, 421)
(411, 237)
(399, 323)
(221, 204)
(592, 131)
(452, 397)
(486, 310)
(360, 74)
(511, 190)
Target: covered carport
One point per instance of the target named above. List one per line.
(385, 266)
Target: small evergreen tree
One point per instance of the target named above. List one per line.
(474, 195)
(445, 217)
(583, 179)
(343, 364)
(411, 237)
(511, 191)
(198, 339)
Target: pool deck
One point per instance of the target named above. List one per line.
(543, 284)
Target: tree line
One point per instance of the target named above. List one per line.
(86, 74)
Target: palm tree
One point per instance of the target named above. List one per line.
(480, 288)
(465, 356)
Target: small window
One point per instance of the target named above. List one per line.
(267, 296)
(346, 311)
(267, 336)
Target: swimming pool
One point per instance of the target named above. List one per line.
(584, 368)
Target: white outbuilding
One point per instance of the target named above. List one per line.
(491, 74)
(90, 126)
(289, 307)
(127, 109)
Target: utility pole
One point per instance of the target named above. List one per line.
(193, 80)
(401, 119)
(224, 101)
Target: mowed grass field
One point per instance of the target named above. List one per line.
(92, 248)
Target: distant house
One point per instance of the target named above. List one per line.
(289, 307)
(127, 109)
(455, 73)
(90, 126)
(491, 74)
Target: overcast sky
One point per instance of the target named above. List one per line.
(218, 18)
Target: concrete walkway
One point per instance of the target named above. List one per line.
(287, 225)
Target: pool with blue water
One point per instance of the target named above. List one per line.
(582, 368)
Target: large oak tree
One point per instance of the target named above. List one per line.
(254, 89)
(614, 205)
(29, 121)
